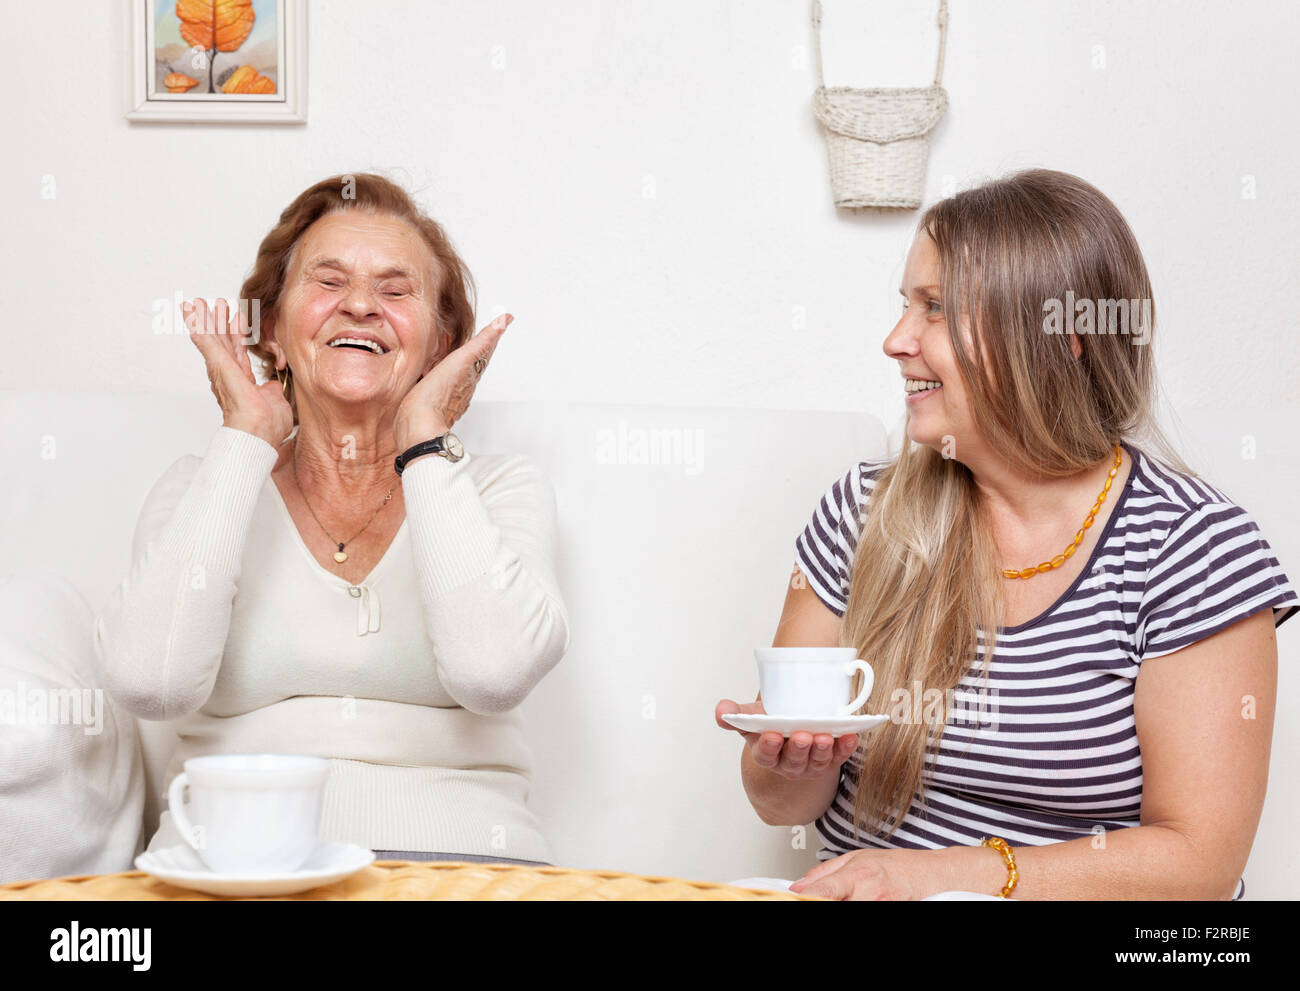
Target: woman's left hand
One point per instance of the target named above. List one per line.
(443, 393)
(876, 875)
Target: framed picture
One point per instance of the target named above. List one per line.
(228, 61)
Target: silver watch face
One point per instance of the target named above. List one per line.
(454, 447)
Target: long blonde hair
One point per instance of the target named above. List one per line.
(926, 574)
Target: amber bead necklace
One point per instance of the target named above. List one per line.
(1060, 559)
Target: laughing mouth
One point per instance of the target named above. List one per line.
(358, 344)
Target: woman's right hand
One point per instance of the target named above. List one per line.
(260, 410)
(801, 757)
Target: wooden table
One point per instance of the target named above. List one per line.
(407, 880)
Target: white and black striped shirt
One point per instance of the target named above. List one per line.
(1053, 754)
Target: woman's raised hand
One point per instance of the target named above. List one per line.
(443, 393)
(800, 757)
(260, 410)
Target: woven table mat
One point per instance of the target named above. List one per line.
(408, 880)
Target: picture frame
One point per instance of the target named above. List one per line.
(252, 68)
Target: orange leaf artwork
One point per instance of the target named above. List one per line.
(215, 24)
(178, 82)
(246, 79)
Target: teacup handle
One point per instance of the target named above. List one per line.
(176, 803)
(868, 679)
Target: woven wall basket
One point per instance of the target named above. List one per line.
(878, 140)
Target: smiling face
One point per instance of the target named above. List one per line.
(920, 344)
(359, 275)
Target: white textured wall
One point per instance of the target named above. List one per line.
(736, 283)
(538, 170)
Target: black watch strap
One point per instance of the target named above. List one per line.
(434, 446)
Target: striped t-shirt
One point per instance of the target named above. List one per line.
(1053, 754)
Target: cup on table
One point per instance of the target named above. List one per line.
(811, 681)
(250, 813)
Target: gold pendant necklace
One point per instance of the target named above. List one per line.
(340, 555)
(1060, 559)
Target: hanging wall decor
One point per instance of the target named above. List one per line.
(228, 61)
(878, 140)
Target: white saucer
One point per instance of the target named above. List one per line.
(786, 725)
(181, 866)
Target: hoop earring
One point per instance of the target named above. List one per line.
(285, 378)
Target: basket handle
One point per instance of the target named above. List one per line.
(817, 41)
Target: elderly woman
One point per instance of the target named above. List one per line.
(1113, 742)
(365, 590)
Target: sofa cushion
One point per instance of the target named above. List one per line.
(71, 771)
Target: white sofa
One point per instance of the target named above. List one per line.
(671, 572)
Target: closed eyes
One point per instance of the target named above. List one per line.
(334, 284)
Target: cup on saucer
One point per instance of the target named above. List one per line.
(804, 689)
(250, 813)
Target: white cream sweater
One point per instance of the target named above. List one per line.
(406, 683)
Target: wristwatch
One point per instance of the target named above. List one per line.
(447, 446)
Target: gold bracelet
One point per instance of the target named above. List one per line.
(1013, 875)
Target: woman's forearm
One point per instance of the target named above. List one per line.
(782, 802)
(484, 564)
(160, 637)
(1141, 862)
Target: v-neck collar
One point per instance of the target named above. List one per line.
(311, 558)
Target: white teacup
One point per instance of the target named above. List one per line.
(252, 813)
(811, 681)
